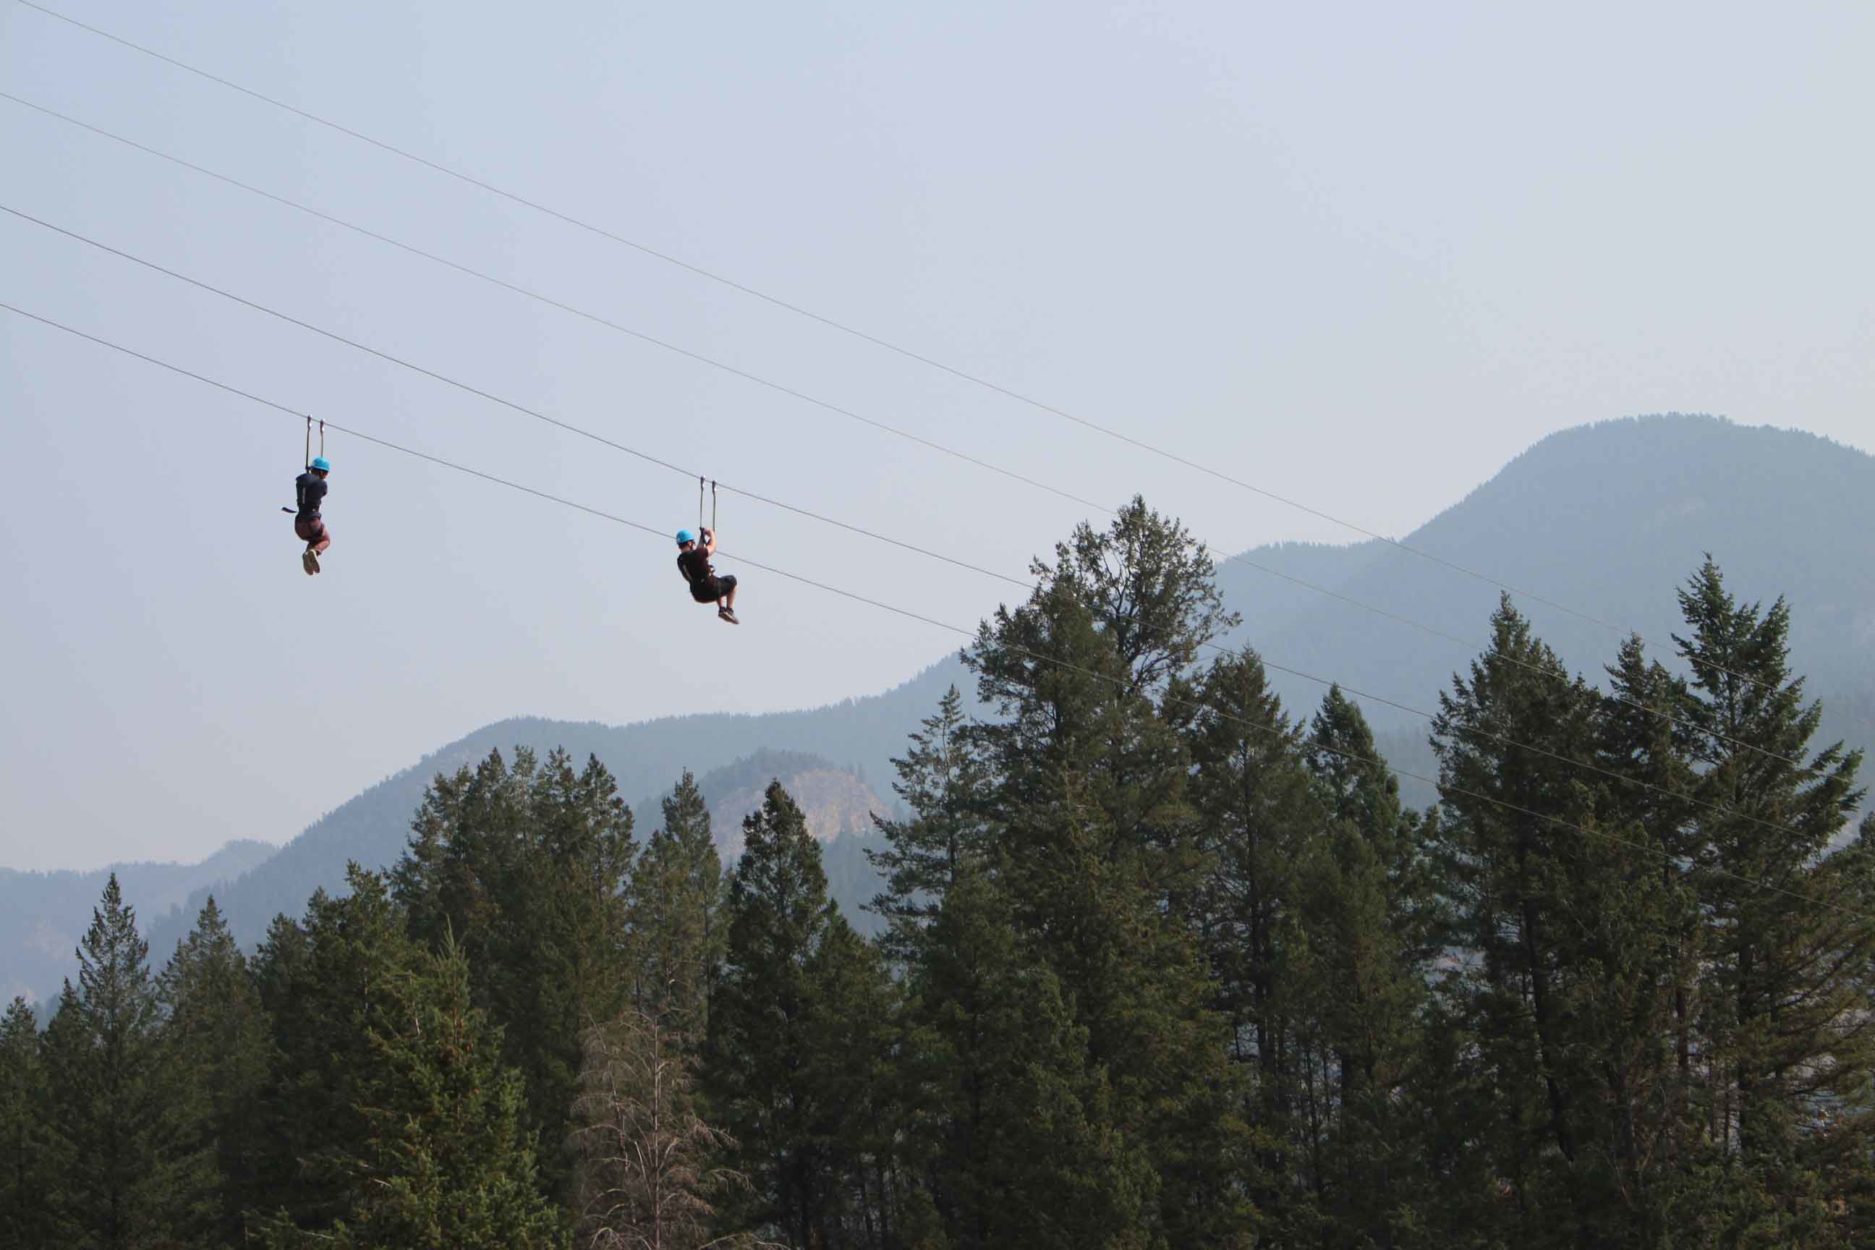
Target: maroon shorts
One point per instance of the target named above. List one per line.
(310, 529)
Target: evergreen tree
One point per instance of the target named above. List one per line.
(675, 893)
(1098, 843)
(849, 1045)
(1365, 912)
(795, 1027)
(217, 1044)
(1567, 922)
(1009, 1131)
(128, 1173)
(322, 981)
(527, 868)
(940, 780)
(445, 1160)
(1789, 928)
(1262, 826)
(25, 1180)
(1646, 740)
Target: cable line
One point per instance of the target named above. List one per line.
(1195, 704)
(541, 416)
(493, 398)
(642, 336)
(841, 326)
(1432, 630)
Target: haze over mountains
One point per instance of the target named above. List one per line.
(43, 913)
(1606, 519)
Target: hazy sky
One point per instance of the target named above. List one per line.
(1359, 254)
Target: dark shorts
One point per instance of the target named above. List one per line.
(713, 589)
(310, 529)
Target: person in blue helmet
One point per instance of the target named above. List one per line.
(310, 491)
(706, 585)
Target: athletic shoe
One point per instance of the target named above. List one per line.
(727, 615)
(309, 561)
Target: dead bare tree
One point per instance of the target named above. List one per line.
(643, 1153)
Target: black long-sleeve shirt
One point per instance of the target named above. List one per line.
(311, 492)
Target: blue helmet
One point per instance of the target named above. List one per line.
(320, 463)
(685, 536)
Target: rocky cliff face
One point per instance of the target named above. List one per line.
(836, 803)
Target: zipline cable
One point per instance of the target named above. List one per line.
(796, 577)
(665, 464)
(497, 399)
(1431, 630)
(843, 327)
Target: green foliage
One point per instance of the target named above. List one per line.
(216, 1043)
(322, 982)
(131, 1171)
(677, 939)
(798, 1027)
(526, 869)
(1100, 850)
(1789, 930)
(939, 780)
(25, 1175)
(1012, 1131)
(444, 1159)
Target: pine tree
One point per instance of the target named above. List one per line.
(215, 1039)
(849, 1041)
(1263, 827)
(444, 1160)
(1098, 843)
(794, 1035)
(1010, 1131)
(1789, 927)
(1566, 922)
(646, 1161)
(940, 780)
(321, 981)
(675, 894)
(526, 867)
(128, 1174)
(1365, 911)
(25, 1180)
(1646, 740)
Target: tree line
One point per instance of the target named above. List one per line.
(1163, 965)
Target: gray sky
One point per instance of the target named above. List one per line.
(1359, 254)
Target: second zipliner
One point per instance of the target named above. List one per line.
(693, 561)
(309, 492)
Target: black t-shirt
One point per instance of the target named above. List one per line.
(311, 489)
(695, 566)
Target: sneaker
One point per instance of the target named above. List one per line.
(727, 614)
(309, 561)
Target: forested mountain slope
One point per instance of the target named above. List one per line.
(1604, 519)
(1597, 519)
